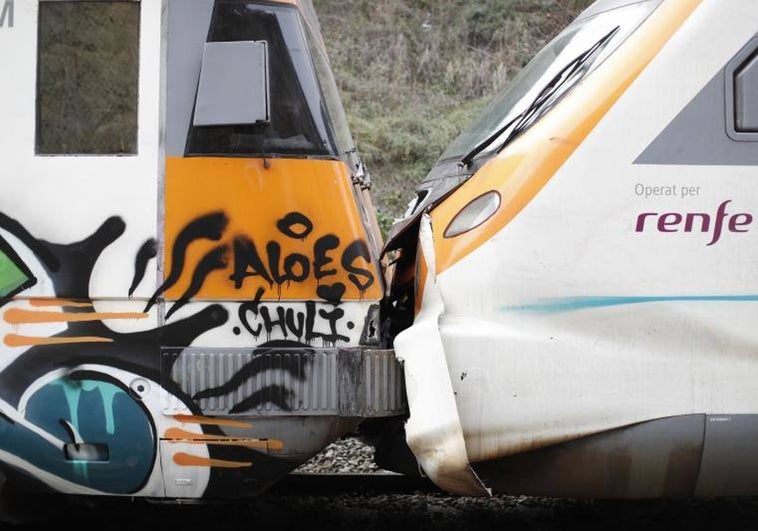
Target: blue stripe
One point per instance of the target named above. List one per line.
(572, 304)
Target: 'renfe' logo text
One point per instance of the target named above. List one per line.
(714, 225)
(6, 13)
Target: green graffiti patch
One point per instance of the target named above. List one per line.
(14, 275)
(11, 277)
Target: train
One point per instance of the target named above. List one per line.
(566, 308)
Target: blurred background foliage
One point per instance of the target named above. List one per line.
(414, 73)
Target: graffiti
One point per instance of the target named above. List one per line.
(297, 267)
(78, 405)
(95, 407)
(15, 276)
(70, 268)
(216, 259)
(68, 405)
(210, 227)
(307, 325)
(278, 395)
(268, 263)
(147, 252)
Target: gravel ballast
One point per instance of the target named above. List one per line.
(344, 456)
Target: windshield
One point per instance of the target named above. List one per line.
(527, 85)
(331, 103)
(298, 123)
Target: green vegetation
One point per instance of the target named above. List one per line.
(414, 73)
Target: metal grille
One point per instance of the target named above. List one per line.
(285, 382)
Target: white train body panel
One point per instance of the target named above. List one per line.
(600, 304)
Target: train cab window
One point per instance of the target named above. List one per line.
(87, 77)
(233, 88)
(742, 94)
(298, 124)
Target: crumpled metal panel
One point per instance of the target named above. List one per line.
(434, 431)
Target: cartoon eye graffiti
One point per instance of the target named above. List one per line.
(83, 429)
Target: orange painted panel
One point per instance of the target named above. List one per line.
(284, 229)
(527, 165)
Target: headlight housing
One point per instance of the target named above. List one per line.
(474, 214)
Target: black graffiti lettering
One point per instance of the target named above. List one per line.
(330, 338)
(293, 262)
(274, 251)
(358, 249)
(214, 260)
(332, 317)
(296, 267)
(270, 324)
(310, 321)
(299, 328)
(147, 252)
(247, 262)
(292, 221)
(252, 307)
(324, 245)
(307, 324)
(333, 293)
(209, 227)
(272, 264)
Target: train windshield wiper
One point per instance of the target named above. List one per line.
(535, 109)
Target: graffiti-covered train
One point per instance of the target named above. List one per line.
(196, 298)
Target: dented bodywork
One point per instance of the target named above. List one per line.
(434, 430)
(592, 349)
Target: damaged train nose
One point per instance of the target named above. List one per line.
(563, 339)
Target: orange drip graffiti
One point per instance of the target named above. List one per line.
(183, 459)
(209, 421)
(176, 435)
(66, 303)
(16, 317)
(14, 340)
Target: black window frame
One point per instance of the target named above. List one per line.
(332, 148)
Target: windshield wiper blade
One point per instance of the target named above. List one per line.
(471, 155)
(566, 73)
(523, 119)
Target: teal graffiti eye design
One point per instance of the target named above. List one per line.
(101, 412)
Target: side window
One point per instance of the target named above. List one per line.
(87, 77)
(742, 94)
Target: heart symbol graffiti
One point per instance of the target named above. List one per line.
(333, 293)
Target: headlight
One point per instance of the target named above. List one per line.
(474, 214)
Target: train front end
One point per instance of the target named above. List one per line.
(579, 271)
